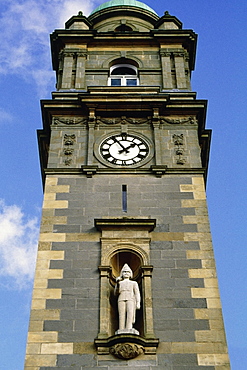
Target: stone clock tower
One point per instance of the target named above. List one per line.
(124, 154)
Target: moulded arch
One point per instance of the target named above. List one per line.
(141, 257)
(120, 60)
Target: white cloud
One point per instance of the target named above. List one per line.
(25, 29)
(18, 245)
(5, 117)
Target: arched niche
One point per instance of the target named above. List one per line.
(135, 262)
(125, 240)
(126, 256)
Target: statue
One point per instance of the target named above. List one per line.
(128, 300)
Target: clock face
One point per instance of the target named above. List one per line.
(124, 149)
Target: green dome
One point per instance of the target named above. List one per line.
(112, 3)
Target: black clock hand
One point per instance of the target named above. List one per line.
(118, 142)
(126, 149)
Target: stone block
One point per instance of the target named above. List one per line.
(51, 255)
(169, 293)
(202, 273)
(210, 336)
(49, 274)
(66, 228)
(194, 325)
(60, 303)
(213, 360)
(186, 228)
(40, 283)
(58, 325)
(42, 337)
(213, 303)
(35, 326)
(47, 293)
(55, 204)
(175, 335)
(182, 211)
(77, 336)
(190, 303)
(179, 273)
(197, 254)
(56, 348)
(60, 264)
(174, 313)
(40, 360)
(205, 292)
(190, 264)
(74, 360)
(33, 348)
(45, 314)
(72, 246)
(173, 254)
(167, 236)
(189, 282)
(52, 237)
(38, 304)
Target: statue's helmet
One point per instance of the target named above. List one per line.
(126, 268)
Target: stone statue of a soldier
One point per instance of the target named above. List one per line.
(128, 300)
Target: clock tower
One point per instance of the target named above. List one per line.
(125, 272)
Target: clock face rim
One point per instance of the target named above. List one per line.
(144, 140)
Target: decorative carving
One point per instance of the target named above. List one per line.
(68, 54)
(159, 170)
(122, 120)
(178, 139)
(81, 55)
(89, 170)
(69, 121)
(68, 151)
(67, 161)
(128, 300)
(179, 151)
(179, 142)
(165, 54)
(178, 54)
(179, 121)
(69, 139)
(126, 351)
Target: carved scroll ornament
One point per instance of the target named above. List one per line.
(126, 351)
(179, 121)
(122, 120)
(69, 121)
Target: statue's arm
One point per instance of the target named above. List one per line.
(137, 295)
(116, 289)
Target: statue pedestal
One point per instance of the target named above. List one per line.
(127, 331)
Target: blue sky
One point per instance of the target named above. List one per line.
(26, 77)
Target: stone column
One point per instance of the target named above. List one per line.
(80, 82)
(166, 70)
(60, 70)
(104, 329)
(180, 70)
(156, 127)
(67, 70)
(187, 70)
(147, 302)
(91, 125)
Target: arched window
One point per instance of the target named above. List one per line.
(123, 28)
(123, 75)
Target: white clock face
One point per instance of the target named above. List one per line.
(124, 149)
